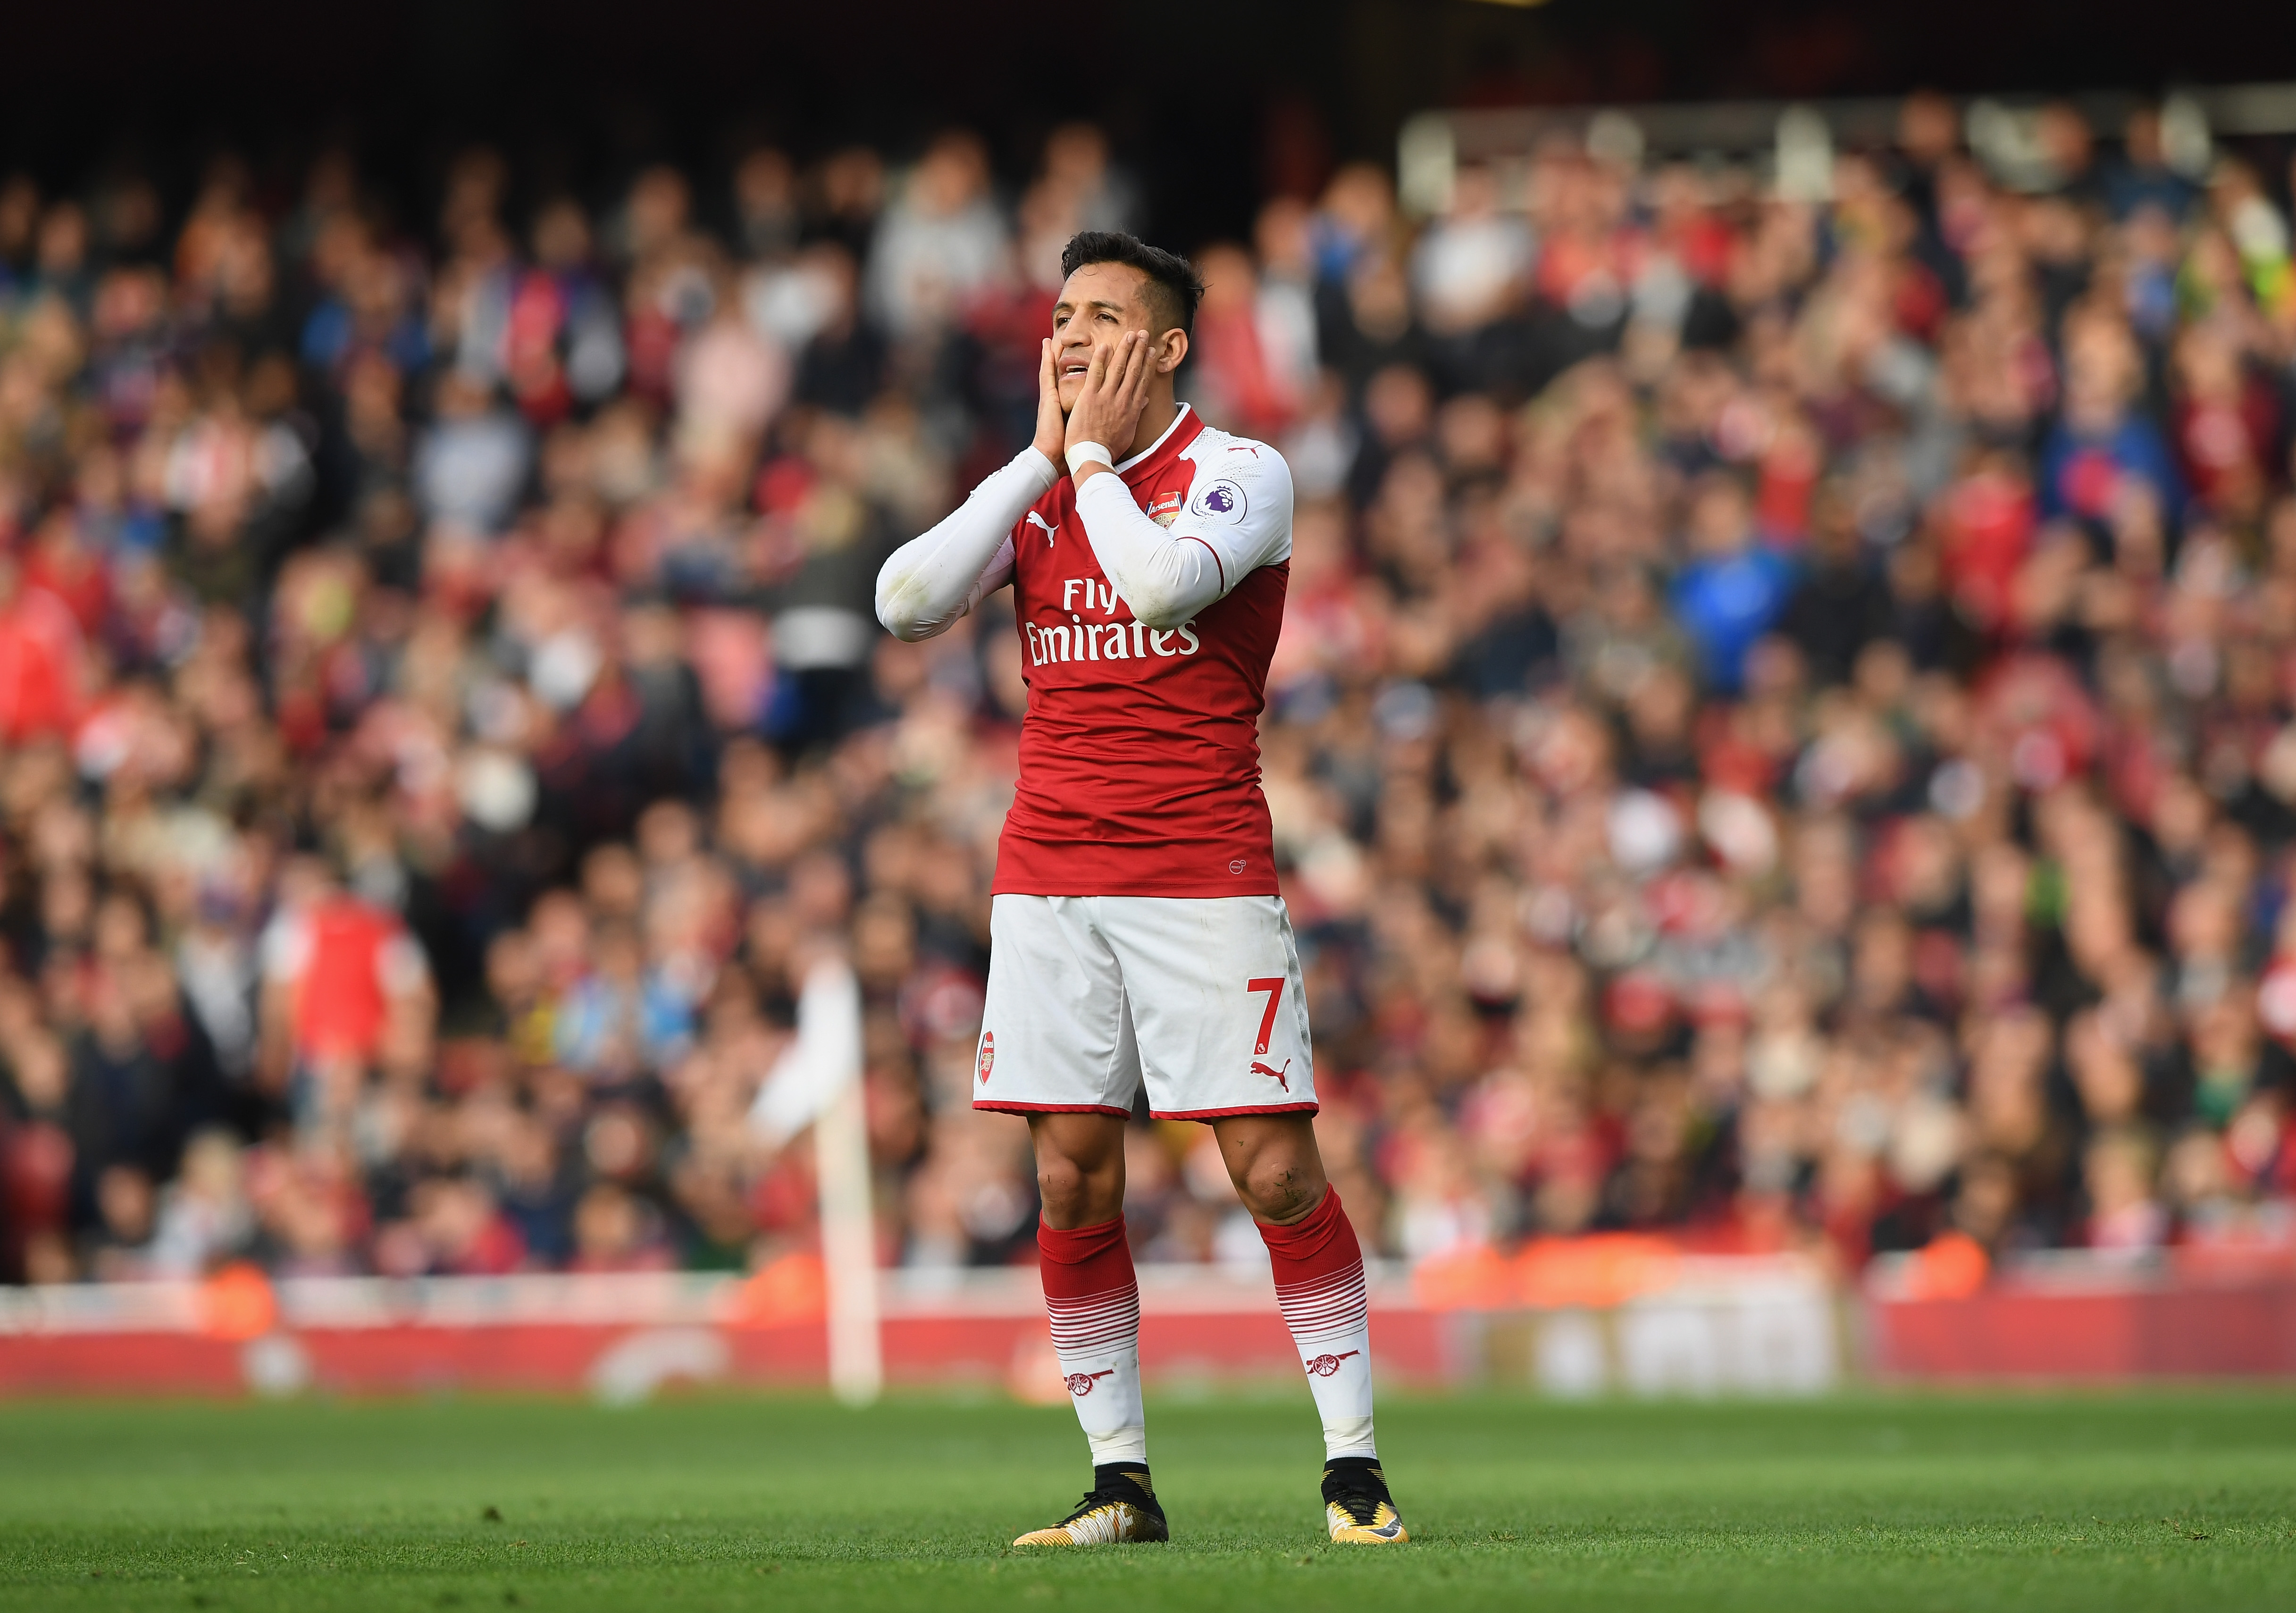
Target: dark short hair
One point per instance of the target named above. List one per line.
(1172, 279)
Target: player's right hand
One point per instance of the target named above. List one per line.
(1052, 424)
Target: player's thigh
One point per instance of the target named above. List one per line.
(1055, 1037)
(1217, 1004)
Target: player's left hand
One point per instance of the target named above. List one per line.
(1107, 411)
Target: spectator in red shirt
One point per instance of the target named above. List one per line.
(40, 670)
(345, 985)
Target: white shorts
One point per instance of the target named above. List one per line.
(1089, 995)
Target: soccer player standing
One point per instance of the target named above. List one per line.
(1136, 933)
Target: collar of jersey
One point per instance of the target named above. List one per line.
(1148, 453)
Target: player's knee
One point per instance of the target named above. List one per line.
(1069, 1191)
(1278, 1186)
(1059, 1182)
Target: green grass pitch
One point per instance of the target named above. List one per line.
(2153, 1501)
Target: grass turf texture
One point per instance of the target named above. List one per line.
(2153, 1500)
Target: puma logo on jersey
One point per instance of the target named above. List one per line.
(1049, 529)
(1272, 1073)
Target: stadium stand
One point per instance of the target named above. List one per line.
(1781, 740)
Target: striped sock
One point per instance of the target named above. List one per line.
(1319, 1288)
(1092, 1301)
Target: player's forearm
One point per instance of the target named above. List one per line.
(932, 580)
(1165, 579)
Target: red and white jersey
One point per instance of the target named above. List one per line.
(343, 961)
(1140, 752)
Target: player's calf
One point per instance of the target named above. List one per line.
(1319, 1288)
(1092, 1300)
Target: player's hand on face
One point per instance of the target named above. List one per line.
(1052, 423)
(1108, 409)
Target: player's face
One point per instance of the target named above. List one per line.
(1099, 303)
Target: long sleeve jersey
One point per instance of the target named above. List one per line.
(1148, 606)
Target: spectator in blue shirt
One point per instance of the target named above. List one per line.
(1735, 588)
(2101, 441)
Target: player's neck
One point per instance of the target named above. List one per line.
(1155, 420)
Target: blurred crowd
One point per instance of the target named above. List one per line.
(1782, 733)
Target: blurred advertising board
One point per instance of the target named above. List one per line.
(1618, 1314)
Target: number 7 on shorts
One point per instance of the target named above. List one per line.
(1274, 987)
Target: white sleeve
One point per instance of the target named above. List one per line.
(285, 949)
(1238, 518)
(399, 965)
(931, 580)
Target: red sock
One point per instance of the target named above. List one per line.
(1092, 1301)
(1319, 1288)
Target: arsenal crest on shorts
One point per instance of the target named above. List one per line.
(987, 1059)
